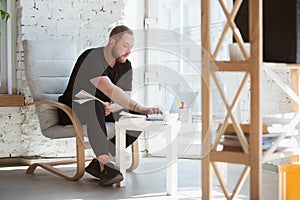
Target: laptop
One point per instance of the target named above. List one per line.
(189, 99)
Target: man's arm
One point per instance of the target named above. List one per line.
(116, 94)
(116, 107)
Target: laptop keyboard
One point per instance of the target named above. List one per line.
(155, 117)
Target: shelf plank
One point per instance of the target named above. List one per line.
(230, 157)
(233, 66)
(13, 100)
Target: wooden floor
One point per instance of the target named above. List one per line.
(146, 182)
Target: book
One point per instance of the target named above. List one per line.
(124, 120)
(129, 118)
(232, 148)
(127, 114)
(83, 96)
(231, 142)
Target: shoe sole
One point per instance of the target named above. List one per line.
(109, 182)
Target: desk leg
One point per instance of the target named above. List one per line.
(172, 161)
(121, 153)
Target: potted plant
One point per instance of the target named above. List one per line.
(4, 15)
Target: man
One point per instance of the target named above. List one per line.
(106, 73)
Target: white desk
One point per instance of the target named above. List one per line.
(171, 130)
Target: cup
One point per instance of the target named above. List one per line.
(186, 115)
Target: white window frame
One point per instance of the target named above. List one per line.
(8, 49)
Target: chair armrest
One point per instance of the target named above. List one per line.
(66, 109)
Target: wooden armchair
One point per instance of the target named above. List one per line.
(48, 65)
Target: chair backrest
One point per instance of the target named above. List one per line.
(48, 65)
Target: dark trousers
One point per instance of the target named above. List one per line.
(93, 115)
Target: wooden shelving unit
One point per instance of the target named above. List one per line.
(251, 157)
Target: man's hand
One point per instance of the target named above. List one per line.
(108, 109)
(151, 110)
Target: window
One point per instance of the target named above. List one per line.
(175, 62)
(173, 65)
(177, 58)
(172, 56)
(7, 48)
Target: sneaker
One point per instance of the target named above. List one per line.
(94, 168)
(110, 175)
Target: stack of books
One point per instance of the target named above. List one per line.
(231, 142)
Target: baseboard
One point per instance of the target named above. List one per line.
(9, 162)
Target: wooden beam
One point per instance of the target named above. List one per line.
(230, 157)
(294, 77)
(206, 169)
(255, 37)
(232, 66)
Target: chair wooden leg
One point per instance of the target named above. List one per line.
(80, 160)
(49, 167)
(135, 156)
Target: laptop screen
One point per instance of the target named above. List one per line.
(188, 98)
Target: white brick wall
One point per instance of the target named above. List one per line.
(11, 129)
(86, 22)
(273, 99)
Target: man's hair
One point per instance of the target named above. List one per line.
(119, 31)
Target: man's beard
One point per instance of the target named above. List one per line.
(122, 59)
